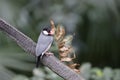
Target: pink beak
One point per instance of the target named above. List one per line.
(52, 32)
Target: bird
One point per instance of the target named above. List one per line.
(44, 43)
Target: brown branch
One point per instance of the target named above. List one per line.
(29, 46)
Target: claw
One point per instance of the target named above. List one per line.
(49, 54)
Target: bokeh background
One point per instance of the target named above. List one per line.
(96, 24)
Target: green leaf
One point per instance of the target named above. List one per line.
(20, 77)
(6, 74)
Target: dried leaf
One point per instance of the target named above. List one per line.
(77, 70)
(57, 32)
(74, 56)
(61, 44)
(74, 66)
(64, 48)
(66, 59)
(66, 51)
(60, 32)
(68, 38)
(64, 54)
(52, 26)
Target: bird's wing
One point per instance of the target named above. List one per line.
(44, 43)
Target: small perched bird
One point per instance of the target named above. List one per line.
(44, 43)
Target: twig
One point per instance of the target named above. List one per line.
(29, 46)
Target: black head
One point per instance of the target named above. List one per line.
(46, 31)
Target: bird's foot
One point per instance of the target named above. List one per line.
(49, 54)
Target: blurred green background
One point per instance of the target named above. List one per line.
(96, 24)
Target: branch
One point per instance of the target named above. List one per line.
(29, 46)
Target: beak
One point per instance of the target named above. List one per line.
(52, 32)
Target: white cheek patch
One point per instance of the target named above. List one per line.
(45, 32)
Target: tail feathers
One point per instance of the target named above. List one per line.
(37, 61)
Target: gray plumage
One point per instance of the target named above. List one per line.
(43, 44)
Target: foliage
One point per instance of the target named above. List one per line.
(95, 73)
(96, 23)
(87, 71)
(14, 63)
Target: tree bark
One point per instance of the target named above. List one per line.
(29, 46)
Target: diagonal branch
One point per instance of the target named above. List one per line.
(29, 46)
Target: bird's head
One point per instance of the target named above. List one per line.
(48, 31)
